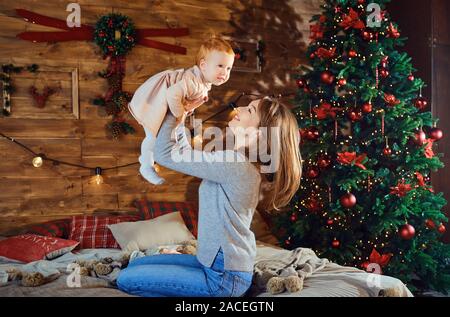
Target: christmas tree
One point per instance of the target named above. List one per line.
(367, 144)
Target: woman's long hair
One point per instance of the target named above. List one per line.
(278, 188)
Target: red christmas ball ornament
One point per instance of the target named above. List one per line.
(419, 138)
(361, 1)
(330, 222)
(352, 53)
(312, 133)
(327, 77)
(301, 83)
(441, 228)
(407, 232)
(342, 82)
(348, 200)
(384, 72)
(387, 152)
(312, 55)
(324, 162)
(367, 35)
(436, 134)
(367, 107)
(294, 217)
(335, 244)
(287, 242)
(355, 115)
(420, 103)
(411, 77)
(430, 224)
(312, 172)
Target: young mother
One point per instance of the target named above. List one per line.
(228, 196)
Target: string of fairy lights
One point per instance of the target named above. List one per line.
(39, 158)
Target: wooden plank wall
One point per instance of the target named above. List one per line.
(32, 195)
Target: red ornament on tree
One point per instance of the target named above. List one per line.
(348, 200)
(430, 224)
(387, 152)
(327, 77)
(407, 232)
(420, 103)
(323, 162)
(436, 134)
(419, 138)
(312, 172)
(335, 244)
(342, 82)
(294, 217)
(411, 77)
(441, 228)
(367, 107)
(301, 83)
(352, 53)
(330, 222)
(313, 205)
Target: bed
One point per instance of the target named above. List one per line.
(331, 281)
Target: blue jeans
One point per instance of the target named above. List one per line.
(182, 275)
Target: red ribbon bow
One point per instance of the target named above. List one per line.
(348, 158)
(86, 33)
(325, 110)
(352, 20)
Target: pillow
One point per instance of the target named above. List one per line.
(189, 211)
(32, 247)
(141, 235)
(261, 229)
(55, 228)
(92, 231)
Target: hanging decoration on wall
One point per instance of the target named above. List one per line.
(116, 35)
(41, 98)
(7, 86)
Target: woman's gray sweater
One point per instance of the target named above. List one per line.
(228, 196)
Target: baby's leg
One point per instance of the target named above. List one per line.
(147, 168)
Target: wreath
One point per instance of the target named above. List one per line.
(115, 34)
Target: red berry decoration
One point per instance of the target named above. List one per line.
(367, 35)
(312, 133)
(436, 134)
(324, 162)
(355, 115)
(419, 137)
(441, 228)
(411, 77)
(342, 82)
(352, 53)
(367, 107)
(420, 103)
(312, 172)
(384, 73)
(407, 232)
(348, 200)
(387, 152)
(335, 244)
(294, 217)
(327, 77)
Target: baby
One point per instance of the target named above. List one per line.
(180, 91)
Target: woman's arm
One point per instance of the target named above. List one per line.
(180, 156)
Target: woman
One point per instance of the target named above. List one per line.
(228, 196)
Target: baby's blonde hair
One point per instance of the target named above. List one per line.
(211, 44)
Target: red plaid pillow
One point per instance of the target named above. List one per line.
(189, 211)
(55, 228)
(92, 231)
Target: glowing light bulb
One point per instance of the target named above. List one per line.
(38, 161)
(97, 179)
